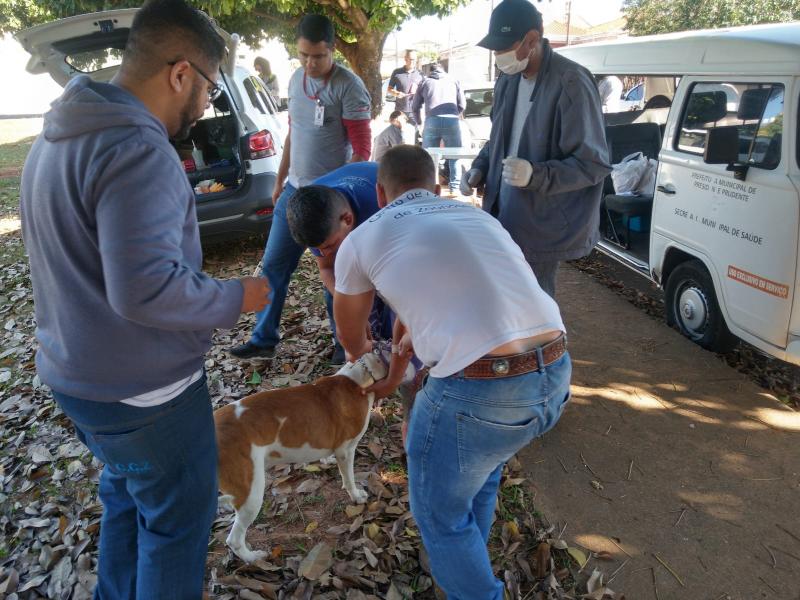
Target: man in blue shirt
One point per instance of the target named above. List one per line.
(322, 214)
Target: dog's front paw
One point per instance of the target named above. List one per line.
(250, 556)
(358, 496)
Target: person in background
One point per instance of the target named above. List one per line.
(124, 312)
(329, 125)
(403, 84)
(469, 305)
(264, 71)
(610, 90)
(546, 158)
(444, 102)
(391, 136)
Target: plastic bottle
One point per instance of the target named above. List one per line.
(197, 156)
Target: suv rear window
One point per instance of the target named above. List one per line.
(755, 109)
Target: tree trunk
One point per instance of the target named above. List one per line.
(364, 57)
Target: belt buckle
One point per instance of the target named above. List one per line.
(500, 366)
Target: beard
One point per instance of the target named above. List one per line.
(188, 116)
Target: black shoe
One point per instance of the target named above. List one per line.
(250, 350)
(338, 355)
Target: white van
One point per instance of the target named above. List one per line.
(720, 230)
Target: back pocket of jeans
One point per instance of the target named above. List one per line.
(131, 454)
(482, 445)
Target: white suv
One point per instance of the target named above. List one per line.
(237, 144)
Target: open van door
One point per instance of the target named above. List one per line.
(90, 44)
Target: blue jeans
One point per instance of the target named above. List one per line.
(447, 130)
(461, 433)
(158, 489)
(281, 258)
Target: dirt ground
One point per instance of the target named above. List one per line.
(669, 460)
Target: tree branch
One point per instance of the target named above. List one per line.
(291, 21)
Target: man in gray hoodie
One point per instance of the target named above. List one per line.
(546, 158)
(124, 313)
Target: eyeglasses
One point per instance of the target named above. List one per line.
(214, 92)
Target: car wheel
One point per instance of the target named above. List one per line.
(692, 307)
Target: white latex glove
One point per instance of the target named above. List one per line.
(517, 171)
(470, 180)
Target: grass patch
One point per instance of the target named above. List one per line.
(9, 197)
(12, 155)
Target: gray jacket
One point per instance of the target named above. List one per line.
(441, 94)
(109, 221)
(556, 217)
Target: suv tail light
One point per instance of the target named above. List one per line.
(261, 144)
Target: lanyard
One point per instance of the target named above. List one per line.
(315, 97)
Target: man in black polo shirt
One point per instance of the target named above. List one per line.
(403, 84)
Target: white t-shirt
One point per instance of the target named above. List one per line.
(521, 110)
(164, 394)
(451, 274)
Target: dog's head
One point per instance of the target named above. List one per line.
(366, 370)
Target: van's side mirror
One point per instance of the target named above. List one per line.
(722, 148)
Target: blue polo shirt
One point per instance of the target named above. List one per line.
(356, 181)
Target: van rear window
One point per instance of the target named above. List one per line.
(755, 109)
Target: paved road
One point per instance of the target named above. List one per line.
(714, 490)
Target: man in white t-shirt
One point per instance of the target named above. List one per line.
(467, 302)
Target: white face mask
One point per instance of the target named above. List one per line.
(509, 64)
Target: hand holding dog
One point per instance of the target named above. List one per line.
(401, 355)
(256, 293)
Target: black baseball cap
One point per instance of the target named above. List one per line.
(510, 21)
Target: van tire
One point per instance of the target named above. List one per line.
(692, 307)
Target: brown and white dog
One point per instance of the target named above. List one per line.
(300, 424)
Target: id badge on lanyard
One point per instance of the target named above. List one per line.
(319, 114)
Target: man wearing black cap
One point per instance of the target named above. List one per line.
(546, 158)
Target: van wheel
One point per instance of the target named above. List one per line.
(692, 307)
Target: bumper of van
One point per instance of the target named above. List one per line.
(236, 215)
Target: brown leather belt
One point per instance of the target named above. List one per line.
(491, 367)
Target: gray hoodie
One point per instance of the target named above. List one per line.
(109, 223)
(556, 216)
(441, 94)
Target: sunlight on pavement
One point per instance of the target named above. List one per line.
(785, 419)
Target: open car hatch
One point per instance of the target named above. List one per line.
(90, 44)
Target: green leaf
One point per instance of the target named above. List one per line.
(255, 379)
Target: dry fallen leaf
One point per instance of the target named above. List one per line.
(316, 562)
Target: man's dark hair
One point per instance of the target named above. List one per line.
(406, 166)
(395, 114)
(166, 30)
(312, 212)
(316, 28)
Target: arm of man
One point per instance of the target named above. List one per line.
(351, 314)
(416, 103)
(481, 162)
(352, 301)
(140, 224)
(356, 106)
(402, 351)
(326, 271)
(583, 143)
(394, 86)
(283, 168)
